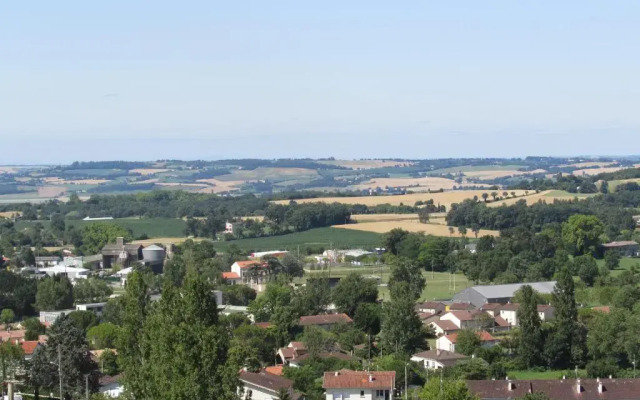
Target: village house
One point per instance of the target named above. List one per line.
(121, 253)
(47, 261)
(325, 321)
(493, 309)
(264, 386)
(462, 319)
(431, 307)
(557, 389)
(460, 306)
(509, 312)
(293, 351)
(29, 347)
(435, 359)
(448, 342)
(231, 278)
(359, 385)
(110, 386)
(443, 327)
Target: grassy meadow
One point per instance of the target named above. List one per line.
(152, 227)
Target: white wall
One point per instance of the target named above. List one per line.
(258, 393)
(354, 394)
(444, 344)
(510, 316)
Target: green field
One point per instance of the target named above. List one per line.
(439, 285)
(537, 375)
(473, 168)
(625, 264)
(152, 227)
(614, 184)
(320, 237)
(562, 193)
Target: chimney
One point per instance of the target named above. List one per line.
(371, 378)
(578, 386)
(600, 387)
(120, 241)
(337, 373)
(438, 351)
(511, 386)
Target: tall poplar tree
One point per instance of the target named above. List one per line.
(531, 344)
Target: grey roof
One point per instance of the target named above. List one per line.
(503, 291)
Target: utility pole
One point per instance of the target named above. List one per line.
(406, 387)
(86, 385)
(634, 367)
(60, 368)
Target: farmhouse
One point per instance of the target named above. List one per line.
(462, 319)
(480, 295)
(264, 386)
(435, 359)
(443, 327)
(509, 312)
(430, 307)
(627, 248)
(359, 385)
(448, 342)
(232, 278)
(565, 389)
(120, 253)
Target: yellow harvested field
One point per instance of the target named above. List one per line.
(59, 181)
(416, 184)
(444, 198)
(258, 218)
(412, 226)
(614, 184)
(366, 218)
(496, 174)
(182, 185)
(8, 170)
(22, 179)
(595, 171)
(218, 186)
(367, 164)
(148, 171)
(10, 214)
(547, 196)
(153, 180)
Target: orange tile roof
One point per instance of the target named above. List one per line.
(263, 325)
(346, 379)
(483, 335)
(275, 370)
(246, 264)
(29, 346)
(230, 275)
(327, 319)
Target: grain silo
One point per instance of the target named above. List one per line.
(153, 256)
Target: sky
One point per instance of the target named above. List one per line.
(206, 79)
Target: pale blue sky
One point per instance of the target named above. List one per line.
(90, 80)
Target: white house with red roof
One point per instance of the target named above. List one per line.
(448, 342)
(232, 278)
(443, 327)
(251, 273)
(462, 319)
(359, 385)
(509, 312)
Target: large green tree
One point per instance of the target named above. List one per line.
(581, 233)
(435, 389)
(352, 291)
(54, 293)
(402, 329)
(467, 342)
(404, 270)
(96, 235)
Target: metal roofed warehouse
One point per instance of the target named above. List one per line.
(483, 294)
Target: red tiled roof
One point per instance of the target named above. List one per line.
(613, 389)
(246, 264)
(510, 307)
(544, 307)
(501, 322)
(274, 370)
(298, 345)
(604, 309)
(266, 380)
(230, 275)
(446, 325)
(447, 358)
(263, 325)
(490, 306)
(483, 335)
(326, 319)
(462, 315)
(29, 346)
(460, 306)
(346, 379)
(288, 353)
(12, 335)
(432, 305)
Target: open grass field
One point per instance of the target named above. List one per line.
(412, 225)
(474, 168)
(218, 186)
(262, 173)
(366, 164)
(614, 184)
(444, 198)
(539, 375)
(496, 174)
(148, 171)
(152, 227)
(319, 237)
(439, 284)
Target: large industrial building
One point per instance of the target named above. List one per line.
(479, 295)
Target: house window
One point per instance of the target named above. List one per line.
(379, 393)
(362, 393)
